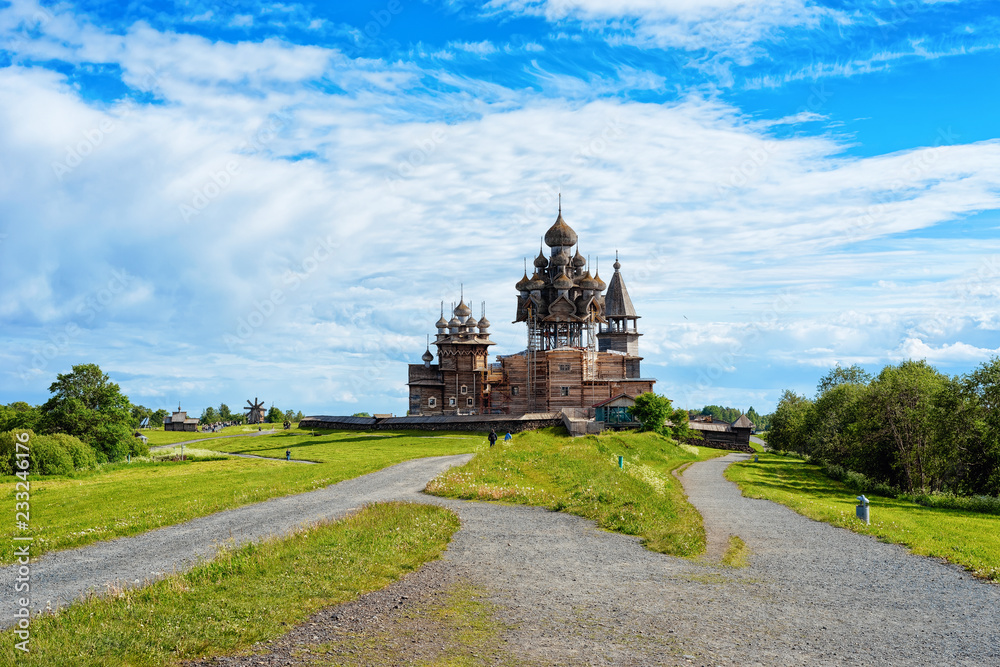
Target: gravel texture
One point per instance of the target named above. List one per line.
(571, 594)
(60, 577)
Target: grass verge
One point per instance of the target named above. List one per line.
(966, 538)
(242, 597)
(581, 476)
(127, 499)
(737, 553)
(460, 628)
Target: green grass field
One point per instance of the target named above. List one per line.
(127, 499)
(161, 437)
(341, 446)
(581, 476)
(242, 597)
(968, 539)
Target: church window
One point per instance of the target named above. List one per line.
(464, 390)
(469, 401)
(514, 391)
(564, 391)
(451, 401)
(564, 367)
(431, 402)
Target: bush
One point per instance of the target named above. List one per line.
(49, 457)
(981, 504)
(137, 447)
(83, 455)
(114, 441)
(858, 482)
(7, 449)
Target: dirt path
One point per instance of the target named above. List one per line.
(60, 577)
(567, 593)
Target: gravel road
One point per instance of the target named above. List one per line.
(572, 594)
(60, 577)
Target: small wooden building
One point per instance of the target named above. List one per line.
(179, 421)
(615, 411)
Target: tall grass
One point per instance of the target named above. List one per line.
(581, 476)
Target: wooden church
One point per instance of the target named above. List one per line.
(582, 345)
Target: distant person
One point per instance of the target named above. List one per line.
(507, 437)
(493, 437)
(288, 455)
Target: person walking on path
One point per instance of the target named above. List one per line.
(493, 437)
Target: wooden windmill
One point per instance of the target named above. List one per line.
(255, 411)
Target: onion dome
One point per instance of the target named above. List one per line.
(427, 357)
(484, 324)
(559, 259)
(617, 264)
(536, 282)
(560, 234)
(562, 281)
(442, 323)
(472, 323)
(454, 324)
(461, 310)
(541, 262)
(586, 282)
(578, 260)
(522, 284)
(601, 285)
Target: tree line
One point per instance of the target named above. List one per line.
(729, 415)
(910, 427)
(88, 420)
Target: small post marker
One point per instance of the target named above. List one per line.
(621, 462)
(862, 510)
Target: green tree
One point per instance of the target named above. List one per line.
(976, 422)
(225, 414)
(140, 412)
(209, 415)
(788, 423)
(652, 411)
(87, 404)
(299, 416)
(838, 375)
(901, 427)
(156, 419)
(275, 416)
(290, 415)
(19, 415)
(361, 414)
(832, 428)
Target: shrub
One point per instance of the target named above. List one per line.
(981, 504)
(114, 441)
(49, 457)
(858, 482)
(83, 455)
(7, 449)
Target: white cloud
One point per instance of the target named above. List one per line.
(914, 348)
(483, 48)
(731, 27)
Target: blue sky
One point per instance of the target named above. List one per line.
(215, 201)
